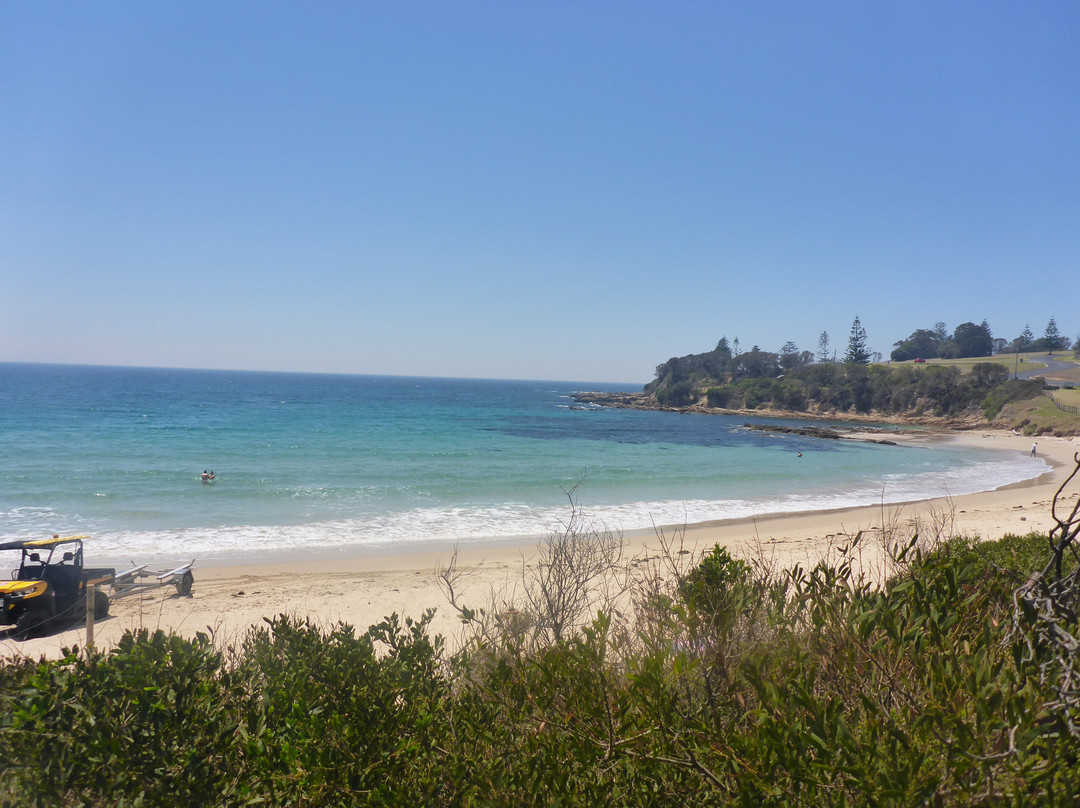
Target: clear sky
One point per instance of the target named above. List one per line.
(544, 190)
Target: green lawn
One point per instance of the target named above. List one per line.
(1013, 362)
(1070, 397)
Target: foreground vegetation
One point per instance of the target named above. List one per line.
(699, 681)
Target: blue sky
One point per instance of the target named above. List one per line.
(553, 190)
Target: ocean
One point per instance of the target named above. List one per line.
(316, 465)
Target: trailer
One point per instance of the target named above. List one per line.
(52, 586)
(139, 578)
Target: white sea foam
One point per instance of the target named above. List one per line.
(445, 526)
(22, 522)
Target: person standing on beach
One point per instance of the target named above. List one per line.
(1035, 450)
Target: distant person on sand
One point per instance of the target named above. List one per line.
(1035, 450)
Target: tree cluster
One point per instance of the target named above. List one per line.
(1051, 340)
(679, 380)
(936, 390)
(971, 340)
(968, 339)
(787, 380)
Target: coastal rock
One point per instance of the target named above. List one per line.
(806, 431)
(817, 432)
(861, 422)
(629, 401)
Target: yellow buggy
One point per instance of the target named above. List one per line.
(49, 585)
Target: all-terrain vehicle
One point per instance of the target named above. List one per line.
(50, 584)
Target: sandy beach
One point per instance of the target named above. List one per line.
(226, 600)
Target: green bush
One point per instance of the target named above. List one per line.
(718, 397)
(711, 584)
(1011, 390)
(680, 394)
(809, 687)
(150, 722)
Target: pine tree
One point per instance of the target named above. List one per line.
(1025, 339)
(823, 347)
(857, 352)
(1052, 337)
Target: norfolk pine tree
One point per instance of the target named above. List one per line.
(857, 351)
(823, 347)
(1052, 337)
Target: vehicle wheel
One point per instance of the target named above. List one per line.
(101, 605)
(185, 584)
(30, 624)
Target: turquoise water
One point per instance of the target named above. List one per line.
(319, 463)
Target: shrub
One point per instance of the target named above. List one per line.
(680, 394)
(718, 396)
(152, 721)
(1011, 390)
(710, 585)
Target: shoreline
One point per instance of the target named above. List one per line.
(362, 588)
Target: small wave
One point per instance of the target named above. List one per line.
(424, 526)
(25, 521)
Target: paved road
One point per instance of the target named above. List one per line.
(1052, 366)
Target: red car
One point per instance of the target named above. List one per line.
(920, 361)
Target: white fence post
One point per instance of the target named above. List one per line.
(90, 597)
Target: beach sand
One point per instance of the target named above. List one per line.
(362, 590)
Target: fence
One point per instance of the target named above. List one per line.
(1069, 408)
